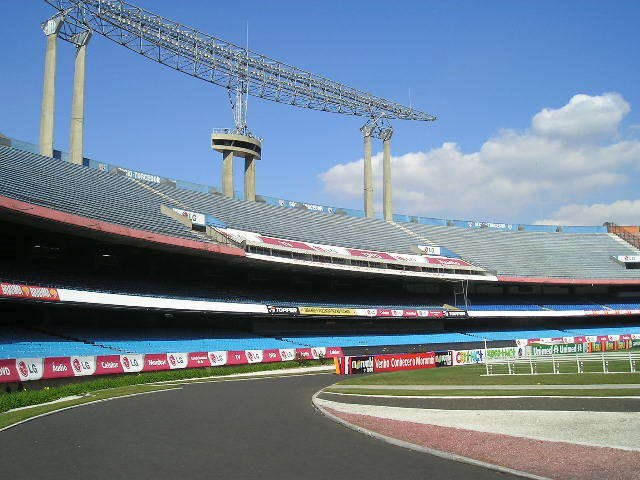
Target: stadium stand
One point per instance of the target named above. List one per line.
(23, 343)
(535, 254)
(81, 191)
(295, 224)
(17, 342)
(116, 198)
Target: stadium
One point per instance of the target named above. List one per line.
(106, 270)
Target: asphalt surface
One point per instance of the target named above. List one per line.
(264, 429)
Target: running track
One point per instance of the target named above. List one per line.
(263, 429)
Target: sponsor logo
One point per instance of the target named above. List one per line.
(196, 218)
(328, 311)
(59, 367)
(109, 365)
(361, 364)
(172, 360)
(287, 354)
(315, 208)
(629, 258)
(430, 250)
(22, 368)
(198, 358)
(156, 363)
(11, 290)
(76, 365)
(464, 357)
(218, 358)
(140, 176)
(125, 362)
(276, 310)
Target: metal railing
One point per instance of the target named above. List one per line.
(602, 362)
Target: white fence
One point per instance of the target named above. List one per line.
(604, 362)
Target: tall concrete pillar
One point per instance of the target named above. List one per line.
(368, 177)
(81, 41)
(249, 178)
(386, 178)
(47, 116)
(227, 174)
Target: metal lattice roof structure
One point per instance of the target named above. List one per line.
(222, 63)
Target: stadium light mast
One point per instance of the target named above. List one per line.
(239, 142)
(222, 63)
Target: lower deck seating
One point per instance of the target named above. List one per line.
(22, 343)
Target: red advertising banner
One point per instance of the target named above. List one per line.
(273, 355)
(198, 360)
(155, 361)
(406, 361)
(447, 262)
(370, 254)
(333, 352)
(304, 353)
(24, 291)
(106, 364)
(286, 243)
(8, 371)
(22, 369)
(57, 367)
(238, 357)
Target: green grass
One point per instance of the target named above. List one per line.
(28, 397)
(9, 418)
(480, 392)
(475, 375)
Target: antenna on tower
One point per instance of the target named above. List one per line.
(240, 102)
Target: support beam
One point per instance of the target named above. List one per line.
(227, 174)
(47, 116)
(368, 176)
(81, 40)
(249, 178)
(386, 176)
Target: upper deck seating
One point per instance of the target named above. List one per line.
(535, 254)
(82, 191)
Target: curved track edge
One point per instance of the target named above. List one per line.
(418, 448)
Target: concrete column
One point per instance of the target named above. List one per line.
(249, 179)
(227, 174)
(77, 108)
(47, 115)
(368, 178)
(386, 178)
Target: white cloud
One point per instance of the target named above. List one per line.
(568, 155)
(622, 212)
(584, 118)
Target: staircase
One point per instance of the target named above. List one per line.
(631, 235)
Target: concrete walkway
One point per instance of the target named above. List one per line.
(599, 429)
(611, 386)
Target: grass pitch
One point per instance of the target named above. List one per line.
(475, 375)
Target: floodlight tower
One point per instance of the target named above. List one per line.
(239, 142)
(242, 72)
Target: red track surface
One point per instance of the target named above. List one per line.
(558, 460)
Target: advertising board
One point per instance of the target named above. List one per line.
(406, 361)
(468, 357)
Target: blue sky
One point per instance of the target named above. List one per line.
(485, 69)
